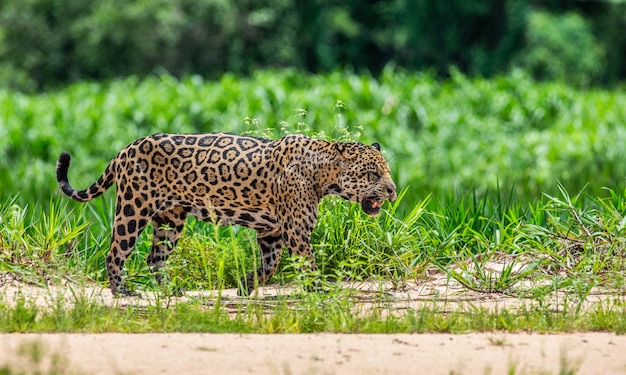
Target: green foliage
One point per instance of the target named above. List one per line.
(352, 246)
(46, 43)
(553, 49)
(461, 133)
(211, 247)
(40, 247)
(478, 37)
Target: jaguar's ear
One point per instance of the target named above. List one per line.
(376, 146)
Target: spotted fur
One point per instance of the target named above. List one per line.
(273, 187)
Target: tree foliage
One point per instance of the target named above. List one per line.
(553, 50)
(48, 42)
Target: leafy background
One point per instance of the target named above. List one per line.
(47, 43)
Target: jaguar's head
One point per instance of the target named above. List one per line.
(365, 177)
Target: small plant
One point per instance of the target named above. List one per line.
(34, 357)
(35, 249)
(497, 341)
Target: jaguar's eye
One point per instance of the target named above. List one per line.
(375, 175)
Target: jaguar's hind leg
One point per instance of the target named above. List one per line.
(168, 227)
(126, 228)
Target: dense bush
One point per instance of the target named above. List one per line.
(553, 50)
(460, 133)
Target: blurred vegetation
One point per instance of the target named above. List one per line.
(553, 50)
(123, 70)
(46, 43)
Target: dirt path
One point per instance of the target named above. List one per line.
(491, 353)
(590, 353)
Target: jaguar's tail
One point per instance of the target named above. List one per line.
(95, 190)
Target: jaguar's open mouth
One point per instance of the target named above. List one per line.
(371, 205)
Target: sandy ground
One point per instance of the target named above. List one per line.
(590, 353)
(491, 353)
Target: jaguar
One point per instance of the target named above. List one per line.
(271, 186)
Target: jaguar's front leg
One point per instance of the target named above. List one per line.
(298, 241)
(271, 248)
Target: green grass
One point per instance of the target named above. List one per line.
(310, 313)
(553, 254)
(34, 357)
